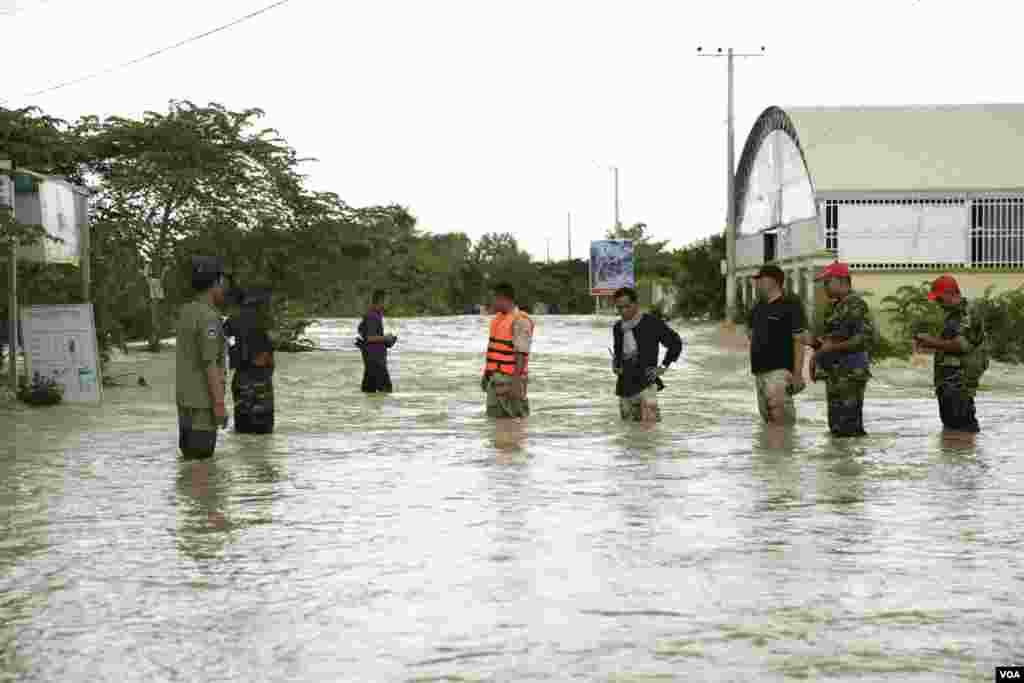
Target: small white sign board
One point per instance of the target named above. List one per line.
(6, 192)
(60, 342)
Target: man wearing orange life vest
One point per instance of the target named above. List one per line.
(508, 353)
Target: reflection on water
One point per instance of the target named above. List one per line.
(203, 526)
(408, 537)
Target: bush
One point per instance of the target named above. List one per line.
(1003, 316)
(42, 392)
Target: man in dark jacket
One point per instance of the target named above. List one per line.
(374, 345)
(637, 337)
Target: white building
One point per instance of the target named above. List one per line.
(59, 206)
(902, 194)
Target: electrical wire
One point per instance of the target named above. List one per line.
(155, 52)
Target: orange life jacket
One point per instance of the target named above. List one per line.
(501, 355)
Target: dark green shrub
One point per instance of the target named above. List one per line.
(1003, 316)
(42, 392)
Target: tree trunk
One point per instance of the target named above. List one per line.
(154, 329)
(157, 268)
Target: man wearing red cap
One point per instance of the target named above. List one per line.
(961, 357)
(842, 353)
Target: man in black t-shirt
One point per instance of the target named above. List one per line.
(776, 326)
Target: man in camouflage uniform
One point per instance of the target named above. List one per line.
(252, 358)
(199, 382)
(842, 353)
(961, 357)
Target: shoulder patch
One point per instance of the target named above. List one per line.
(212, 329)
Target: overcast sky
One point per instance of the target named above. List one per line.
(483, 116)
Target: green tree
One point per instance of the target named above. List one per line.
(192, 171)
(650, 257)
(696, 271)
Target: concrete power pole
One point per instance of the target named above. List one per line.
(7, 198)
(730, 194)
(568, 232)
(618, 223)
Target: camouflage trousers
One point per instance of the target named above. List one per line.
(845, 393)
(500, 402)
(254, 403)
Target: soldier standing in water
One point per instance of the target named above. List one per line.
(842, 353)
(961, 357)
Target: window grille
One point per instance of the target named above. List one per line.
(997, 231)
(832, 226)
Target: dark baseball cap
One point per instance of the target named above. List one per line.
(207, 266)
(774, 272)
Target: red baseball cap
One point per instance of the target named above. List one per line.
(835, 269)
(946, 283)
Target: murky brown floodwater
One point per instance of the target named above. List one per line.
(406, 538)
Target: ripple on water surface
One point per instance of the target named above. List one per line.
(407, 537)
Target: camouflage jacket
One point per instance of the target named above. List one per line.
(962, 370)
(848, 320)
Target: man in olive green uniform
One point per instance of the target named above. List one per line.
(842, 353)
(961, 357)
(199, 383)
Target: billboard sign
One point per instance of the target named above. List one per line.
(60, 216)
(611, 266)
(60, 342)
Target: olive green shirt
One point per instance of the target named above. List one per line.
(200, 346)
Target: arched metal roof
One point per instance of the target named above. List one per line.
(939, 148)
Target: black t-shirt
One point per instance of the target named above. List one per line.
(772, 328)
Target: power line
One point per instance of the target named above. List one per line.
(156, 52)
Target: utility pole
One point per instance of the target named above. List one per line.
(569, 233)
(549, 250)
(618, 224)
(7, 198)
(730, 194)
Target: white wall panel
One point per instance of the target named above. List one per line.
(896, 233)
(749, 250)
(798, 239)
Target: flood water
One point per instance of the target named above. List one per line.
(408, 538)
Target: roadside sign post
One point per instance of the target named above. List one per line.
(7, 204)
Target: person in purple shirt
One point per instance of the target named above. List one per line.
(374, 345)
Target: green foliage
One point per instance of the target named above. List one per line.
(698, 277)
(1004, 324)
(43, 391)
(1003, 316)
(207, 180)
(195, 179)
(910, 309)
(650, 257)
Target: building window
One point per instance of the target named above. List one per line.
(832, 226)
(997, 231)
